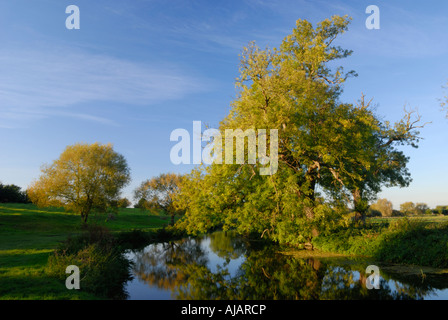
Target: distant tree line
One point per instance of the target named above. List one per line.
(383, 207)
(13, 193)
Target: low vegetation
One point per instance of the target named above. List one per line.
(418, 241)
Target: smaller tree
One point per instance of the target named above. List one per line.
(86, 177)
(384, 206)
(123, 203)
(141, 204)
(159, 193)
(408, 208)
(421, 208)
(441, 209)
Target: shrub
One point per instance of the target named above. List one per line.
(412, 241)
(103, 267)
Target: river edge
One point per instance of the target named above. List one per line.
(417, 282)
(172, 234)
(402, 268)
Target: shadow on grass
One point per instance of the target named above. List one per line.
(415, 243)
(24, 258)
(35, 285)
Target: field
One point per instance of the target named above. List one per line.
(423, 218)
(28, 235)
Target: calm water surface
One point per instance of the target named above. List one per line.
(221, 265)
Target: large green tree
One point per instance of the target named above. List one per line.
(293, 90)
(329, 152)
(86, 177)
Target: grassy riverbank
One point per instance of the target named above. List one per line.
(29, 235)
(412, 241)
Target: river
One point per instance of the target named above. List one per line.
(223, 266)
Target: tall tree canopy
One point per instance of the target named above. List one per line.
(85, 177)
(329, 152)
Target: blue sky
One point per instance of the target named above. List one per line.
(136, 70)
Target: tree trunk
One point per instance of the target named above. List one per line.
(310, 199)
(360, 206)
(172, 220)
(309, 209)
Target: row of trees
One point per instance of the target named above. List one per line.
(13, 193)
(159, 194)
(411, 208)
(384, 207)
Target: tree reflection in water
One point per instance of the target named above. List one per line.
(183, 268)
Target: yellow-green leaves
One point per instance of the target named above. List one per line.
(85, 177)
(325, 147)
(160, 193)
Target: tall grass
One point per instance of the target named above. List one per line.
(407, 241)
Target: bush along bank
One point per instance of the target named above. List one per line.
(98, 253)
(405, 241)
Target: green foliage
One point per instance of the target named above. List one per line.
(384, 206)
(441, 209)
(421, 207)
(408, 208)
(123, 203)
(413, 241)
(291, 89)
(406, 241)
(12, 194)
(103, 268)
(328, 151)
(352, 239)
(159, 194)
(373, 213)
(86, 177)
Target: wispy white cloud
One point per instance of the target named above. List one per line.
(42, 83)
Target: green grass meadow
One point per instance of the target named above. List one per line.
(28, 235)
